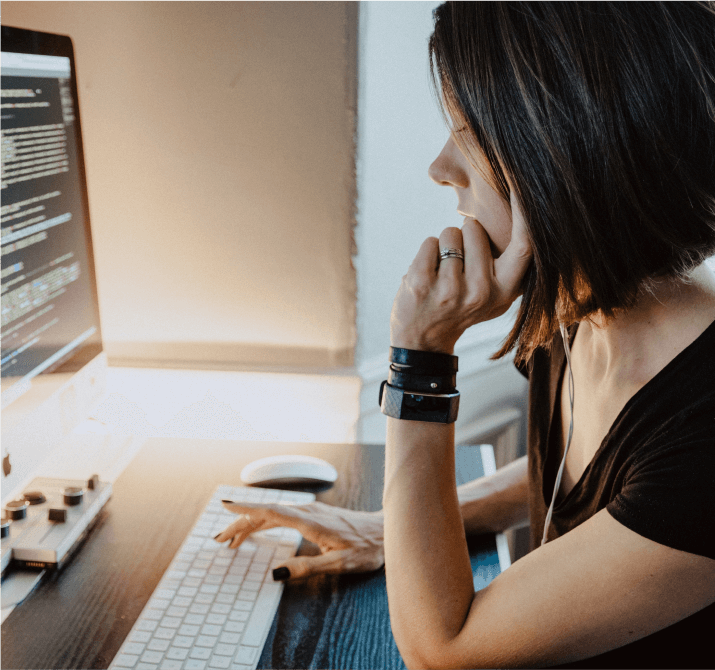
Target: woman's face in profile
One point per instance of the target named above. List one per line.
(476, 198)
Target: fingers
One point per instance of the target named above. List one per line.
(256, 517)
(240, 529)
(451, 268)
(510, 267)
(424, 262)
(332, 562)
(478, 259)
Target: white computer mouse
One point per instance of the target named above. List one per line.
(289, 470)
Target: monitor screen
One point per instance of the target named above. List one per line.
(50, 317)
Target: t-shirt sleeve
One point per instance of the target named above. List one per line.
(669, 492)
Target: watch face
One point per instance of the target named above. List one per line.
(399, 404)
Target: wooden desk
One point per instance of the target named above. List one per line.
(79, 617)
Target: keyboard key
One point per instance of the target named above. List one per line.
(175, 574)
(202, 653)
(263, 554)
(152, 657)
(216, 619)
(189, 629)
(181, 601)
(152, 615)
(220, 662)
(246, 655)
(199, 608)
(170, 585)
(183, 641)
(166, 594)
(228, 638)
(233, 627)
(164, 633)
(206, 641)
(194, 619)
(191, 581)
(194, 664)
(238, 614)
(230, 588)
(177, 611)
(159, 603)
(225, 598)
(247, 595)
(220, 608)
(225, 649)
(242, 605)
(209, 629)
(146, 624)
(200, 574)
(188, 591)
(126, 660)
(170, 665)
(139, 636)
(170, 622)
(158, 645)
(177, 654)
(146, 666)
(134, 648)
(213, 579)
(204, 598)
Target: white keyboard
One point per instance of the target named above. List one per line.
(214, 606)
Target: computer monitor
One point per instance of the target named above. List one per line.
(52, 362)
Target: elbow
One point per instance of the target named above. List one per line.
(425, 657)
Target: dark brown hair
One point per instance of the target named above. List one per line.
(602, 115)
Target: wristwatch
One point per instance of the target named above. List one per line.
(434, 407)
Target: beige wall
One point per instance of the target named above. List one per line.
(220, 159)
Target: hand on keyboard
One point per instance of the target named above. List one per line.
(349, 541)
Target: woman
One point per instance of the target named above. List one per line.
(583, 155)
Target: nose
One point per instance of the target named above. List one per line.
(447, 168)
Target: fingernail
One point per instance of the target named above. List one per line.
(216, 536)
(281, 574)
(227, 501)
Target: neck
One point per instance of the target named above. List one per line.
(636, 344)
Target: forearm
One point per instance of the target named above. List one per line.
(495, 503)
(429, 577)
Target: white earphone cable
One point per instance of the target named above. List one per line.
(565, 338)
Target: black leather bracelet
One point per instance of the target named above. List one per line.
(428, 362)
(407, 380)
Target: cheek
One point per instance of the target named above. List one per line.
(494, 214)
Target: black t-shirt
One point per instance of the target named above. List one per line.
(654, 472)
